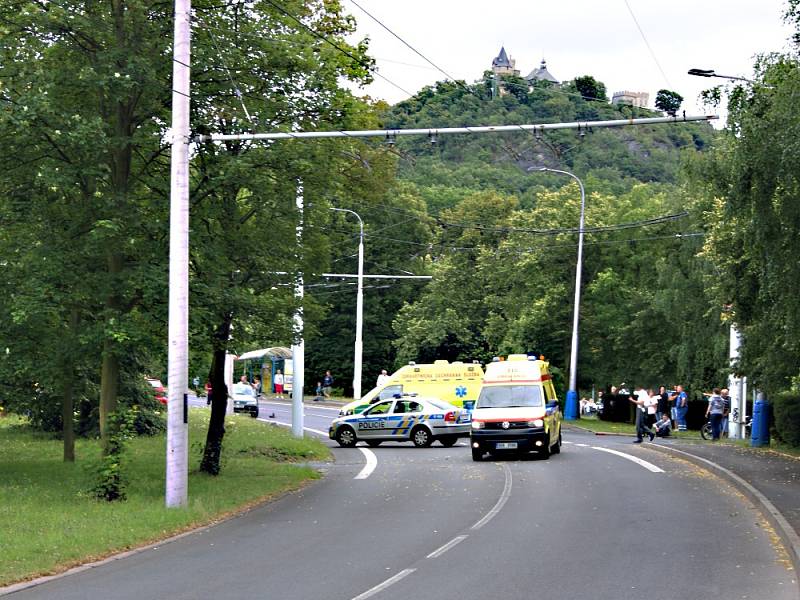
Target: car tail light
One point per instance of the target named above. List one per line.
(450, 417)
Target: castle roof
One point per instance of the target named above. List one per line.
(541, 74)
(502, 60)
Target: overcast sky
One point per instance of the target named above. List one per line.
(576, 37)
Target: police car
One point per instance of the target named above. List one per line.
(403, 419)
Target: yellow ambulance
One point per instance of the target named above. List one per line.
(517, 409)
(455, 382)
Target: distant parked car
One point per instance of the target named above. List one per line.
(158, 389)
(244, 399)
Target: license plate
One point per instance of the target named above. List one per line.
(506, 445)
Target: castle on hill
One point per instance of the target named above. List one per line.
(503, 64)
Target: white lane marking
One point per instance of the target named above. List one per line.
(307, 406)
(372, 462)
(500, 502)
(583, 445)
(438, 552)
(317, 431)
(647, 465)
(382, 586)
(566, 442)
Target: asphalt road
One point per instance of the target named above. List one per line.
(423, 523)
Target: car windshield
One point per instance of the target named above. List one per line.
(242, 389)
(507, 396)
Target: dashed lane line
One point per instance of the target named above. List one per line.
(439, 551)
(382, 586)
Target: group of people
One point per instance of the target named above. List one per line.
(658, 413)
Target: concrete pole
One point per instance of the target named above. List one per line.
(736, 389)
(571, 406)
(298, 344)
(359, 346)
(177, 475)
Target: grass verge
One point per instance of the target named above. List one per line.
(49, 522)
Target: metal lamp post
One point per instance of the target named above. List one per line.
(359, 308)
(712, 73)
(571, 408)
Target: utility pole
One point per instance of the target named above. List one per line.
(737, 389)
(298, 344)
(359, 346)
(177, 478)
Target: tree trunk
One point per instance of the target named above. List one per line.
(216, 427)
(67, 403)
(219, 402)
(109, 374)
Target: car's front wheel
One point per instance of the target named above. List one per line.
(421, 437)
(346, 437)
(477, 454)
(254, 413)
(448, 441)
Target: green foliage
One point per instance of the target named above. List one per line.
(591, 89)
(750, 191)
(668, 101)
(786, 409)
(111, 478)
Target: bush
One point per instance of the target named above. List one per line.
(786, 410)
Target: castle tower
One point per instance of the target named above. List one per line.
(503, 65)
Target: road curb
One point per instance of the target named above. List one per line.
(578, 427)
(787, 533)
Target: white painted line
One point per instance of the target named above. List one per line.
(317, 431)
(382, 586)
(566, 442)
(649, 466)
(583, 445)
(306, 406)
(500, 503)
(372, 462)
(437, 553)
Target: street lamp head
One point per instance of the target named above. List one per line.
(532, 169)
(701, 72)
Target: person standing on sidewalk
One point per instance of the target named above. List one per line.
(278, 381)
(641, 398)
(681, 406)
(662, 408)
(726, 398)
(715, 410)
(327, 385)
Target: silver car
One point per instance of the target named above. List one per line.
(407, 418)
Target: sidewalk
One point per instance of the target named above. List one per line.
(768, 478)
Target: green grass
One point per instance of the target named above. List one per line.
(48, 521)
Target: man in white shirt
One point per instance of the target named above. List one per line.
(382, 378)
(641, 398)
